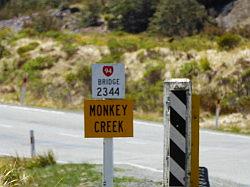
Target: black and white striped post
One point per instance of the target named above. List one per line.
(177, 132)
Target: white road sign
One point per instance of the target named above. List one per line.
(108, 81)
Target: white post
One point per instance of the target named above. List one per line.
(23, 93)
(217, 114)
(108, 162)
(23, 90)
(32, 143)
(217, 117)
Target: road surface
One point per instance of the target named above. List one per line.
(226, 156)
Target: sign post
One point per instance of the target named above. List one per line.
(108, 162)
(177, 132)
(108, 118)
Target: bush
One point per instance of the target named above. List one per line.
(30, 47)
(228, 41)
(4, 71)
(178, 17)
(13, 171)
(154, 74)
(5, 33)
(147, 97)
(197, 42)
(11, 174)
(43, 160)
(13, 8)
(70, 49)
(84, 74)
(44, 22)
(39, 63)
(2, 49)
(92, 13)
(130, 15)
(204, 65)
(242, 31)
(118, 48)
(188, 70)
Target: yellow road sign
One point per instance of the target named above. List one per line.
(108, 118)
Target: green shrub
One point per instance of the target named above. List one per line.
(70, 49)
(242, 31)
(4, 71)
(39, 63)
(2, 49)
(70, 78)
(190, 69)
(42, 160)
(12, 175)
(84, 74)
(130, 15)
(228, 41)
(117, 48)
(154, 74)
(109, 59)
(147, 97)
(44, 22)
(5, 33)
(92, 13)
(25, 7)
(178, 17)
(204, 65)
(30, 47)
(197, 42)
(13, 170)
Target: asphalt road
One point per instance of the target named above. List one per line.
(226, 156)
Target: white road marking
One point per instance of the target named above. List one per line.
(152, 124)
(6, 126)
(136, 142)
(70, 135)
(139, 166)
(225, 134)
(34, 109)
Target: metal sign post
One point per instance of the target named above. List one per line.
(108, 118)
(177, 132)
(108, 162)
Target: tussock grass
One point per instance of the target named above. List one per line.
(42, 170)
(14, 170)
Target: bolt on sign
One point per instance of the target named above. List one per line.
(108, 118)
(108, 81)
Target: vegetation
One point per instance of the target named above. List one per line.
(12, 8)
(188, 20)
(24, 49)
(131, 16)
(150, 35)
(13, 170)
(43, 171)
(190, 69)
(228, 41)
(92, 13)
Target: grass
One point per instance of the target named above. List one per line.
(235, 129)
(29, 47)
(42, 171)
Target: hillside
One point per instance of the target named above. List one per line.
(54, 53)
(58, 67)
